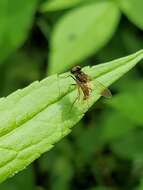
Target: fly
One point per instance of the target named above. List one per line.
(83, 82)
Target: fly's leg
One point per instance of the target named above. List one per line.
(77, 98)
(58, 82)
(72, 78)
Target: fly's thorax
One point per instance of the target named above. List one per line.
(82, 77)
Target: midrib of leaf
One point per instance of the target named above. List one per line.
(25, 143)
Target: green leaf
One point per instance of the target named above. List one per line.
(82, 32)
(15, 21)
(36, 117)
(55, 5)
(133, 9)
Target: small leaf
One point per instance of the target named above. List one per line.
(133, 9)
(36, 117)
(15, 21)
(55, 5)
(84, 25)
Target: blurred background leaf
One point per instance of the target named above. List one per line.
(54, 5)
(133, 10)
(73, 32)
(16, 18)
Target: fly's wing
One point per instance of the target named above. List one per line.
(102, 90)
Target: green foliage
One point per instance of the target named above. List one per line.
(58, 5)
(133, 10)
(104, 150)
(16, 18)
(121, 124)
(130, 146)
(27, 114)
(129, 107)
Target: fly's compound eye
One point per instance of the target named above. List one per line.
(75, 69)
(78, 68)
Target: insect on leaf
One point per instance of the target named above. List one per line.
(36, 117)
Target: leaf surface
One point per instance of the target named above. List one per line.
(15, 22)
